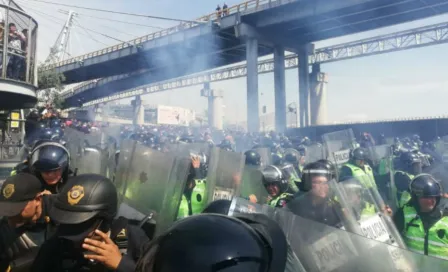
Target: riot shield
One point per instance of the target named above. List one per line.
(224, 174)
(325, 203)
(382, 162)
(265, 154)
(74, 144)
(314, 153)
(144, 178)
(338, 145)
(92, 160)
(252, 185)
(375, 223)
(323, 248)
(185, 149)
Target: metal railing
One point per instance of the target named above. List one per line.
(18, 37)
(246, 7)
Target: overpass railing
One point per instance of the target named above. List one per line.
(246, 7)
(18, 37)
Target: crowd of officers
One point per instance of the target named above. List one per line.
(55, 220)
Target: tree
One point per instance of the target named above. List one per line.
(49, 87)
(50, 79)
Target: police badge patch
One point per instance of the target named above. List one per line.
(8, 191)
(75, 194)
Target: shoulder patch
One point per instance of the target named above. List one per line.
(122, 233)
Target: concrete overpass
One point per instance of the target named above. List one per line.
(289, 25)
(402, 40)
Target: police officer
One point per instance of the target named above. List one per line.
(252, 158)
(88, 237)
(195, 191)
(49, 161)
(25, 223)
(318, 202)
(276, 185)
(410, 166)
(296, 158)
(358, 198)
(260, 246)
(358, 167)
(423, 223)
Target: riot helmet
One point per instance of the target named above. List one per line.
(276, 159)
(232, 245)
(86, 203)
(274, 180)
(220, 206)
(311, 173)
(359, 156)
(226, 145)
(292, 156)
(411, 162)
(427, 188)
(50, 162)
(329, 166)
(252, 158)
(55, 123)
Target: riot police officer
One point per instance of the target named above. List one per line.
(49, 161)
(88, 237)
(317, 203)
(259, 246)
(358, 167)
(195, 194)
(277, 186)
(410, 166)
(423, 223)
(252, 158)
(25, 222)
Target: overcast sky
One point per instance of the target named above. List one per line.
(402, 84)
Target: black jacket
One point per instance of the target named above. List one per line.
(58, 255)
(19, 246)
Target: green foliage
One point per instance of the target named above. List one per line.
(50, 79)
(49, 86)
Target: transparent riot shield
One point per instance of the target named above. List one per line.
(150, 182)
(381, 158)
(338, 145)
(325, 203)
(92, 160)
(224, 174)
(252, 187)
(314, 153)
(74, 144)
(375, 223)
(319, 247)
(265, 154)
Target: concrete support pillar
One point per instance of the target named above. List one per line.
(280, 93)
(318, 96)
(215, 103)
(139, 111)
(253, 116)
(304, 85)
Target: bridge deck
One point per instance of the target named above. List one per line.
(207, 46)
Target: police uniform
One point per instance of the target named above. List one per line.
(19, 245)
(195, 201)
(281, 200)
(58, 255)
(88, 202)
(402, 180)
(424, 238)
(365, 176)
